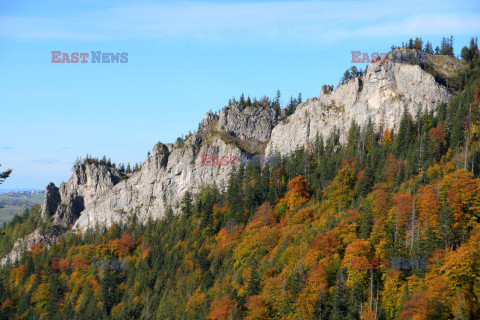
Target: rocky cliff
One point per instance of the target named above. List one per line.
(247, 123)
(381, 95)
(163, 180)
(101, 195)
(97, 195)
(65, 204)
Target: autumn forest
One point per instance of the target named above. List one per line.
(384, 226)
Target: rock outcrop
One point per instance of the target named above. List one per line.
(163, 180)
(88, 181)
(101, 195)
(445, 65)
(210, 119)
(51, 201)
(22, 245)
(247, 123)
(380, 95)
(98, 195)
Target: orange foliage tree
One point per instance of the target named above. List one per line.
(462, 191)
(381, 200)
(298, 192)
(195, 304)
(416, 308)
(257, 308)
(428, 206)
(222, 309)
(393, 167)
(357, 259)
(437, 135)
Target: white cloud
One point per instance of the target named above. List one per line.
(250, 21)
(45, 161)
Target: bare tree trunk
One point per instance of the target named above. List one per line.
(413, 224)
(466, 151)
(468, 136)
(473, 158)
(371, 288)
(396, 227)
(283, 292)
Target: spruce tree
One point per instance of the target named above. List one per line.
(208, 200)
(235, 196)
(402, 140)
(253, 283)
(264, 183)
(355, 300)
(339, 298)
(242, 100)
(56, 293)
(353, 139)
(4, 175)
(109, 289)
(428, 47)
(187, 204)
(446, 233)
(276, 102)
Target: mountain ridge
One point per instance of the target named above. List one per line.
(167, 176)
(96, 196)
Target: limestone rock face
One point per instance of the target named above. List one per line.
(87, 182)
(380, 95)
(247, 123)
(22, 245)
(210, 119)
(99, 195)
(163, 180)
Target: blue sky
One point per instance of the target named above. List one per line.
(184, 58)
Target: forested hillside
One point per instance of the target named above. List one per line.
(319, 235)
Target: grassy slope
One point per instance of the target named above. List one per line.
(17, 205)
